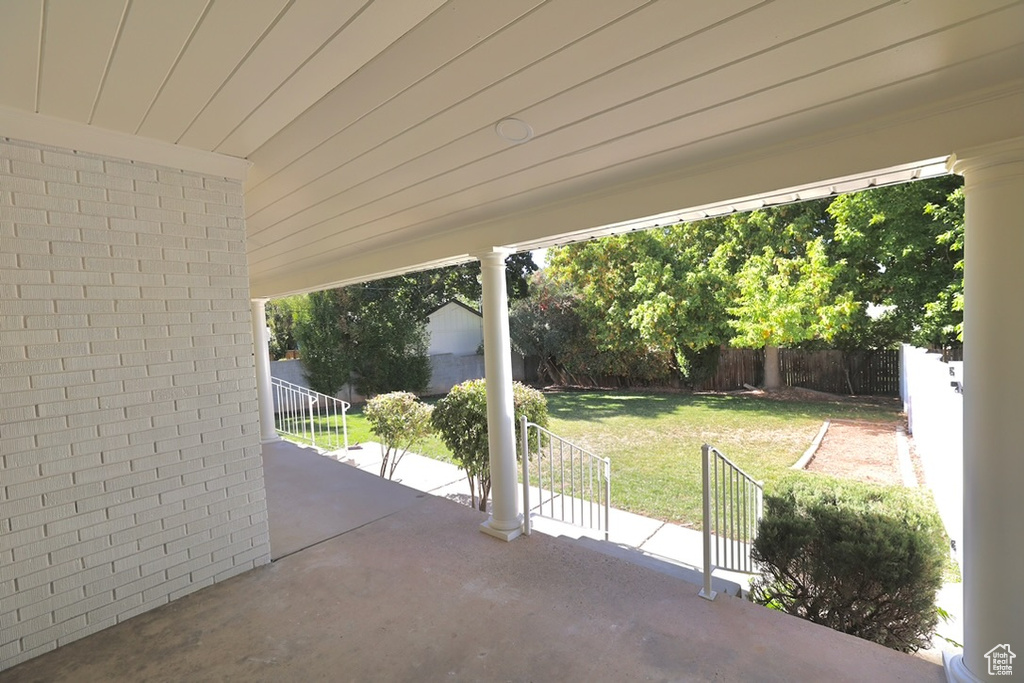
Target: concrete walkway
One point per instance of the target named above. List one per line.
(671, 548)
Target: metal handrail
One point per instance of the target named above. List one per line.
(575, 467)
(295, 411)
(733, 503)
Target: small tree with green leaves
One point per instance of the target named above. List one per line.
(461, 419)
(401, 421)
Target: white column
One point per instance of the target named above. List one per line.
(261, 352)
(505, 521)
(993, 543)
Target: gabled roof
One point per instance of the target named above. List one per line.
(456, 302)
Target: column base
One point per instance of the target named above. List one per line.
(956, 670)
(271, 439)
(503, 534)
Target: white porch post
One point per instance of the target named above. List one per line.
(993, 543)
(261, 352)
(505, 521)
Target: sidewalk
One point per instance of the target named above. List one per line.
(669, 548)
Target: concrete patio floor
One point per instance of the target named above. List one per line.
(408, 589)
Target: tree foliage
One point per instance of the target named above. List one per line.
(281, 317)
(864, 560)
(801, 274)
(321, 328)
(374, 333)
(401, 421)
(783, 301)
(903, 244)
(461, 420)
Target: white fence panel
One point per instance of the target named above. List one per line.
(933, 400)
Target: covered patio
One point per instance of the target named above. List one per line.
(401, 587)
(166, 168)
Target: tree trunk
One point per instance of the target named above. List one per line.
(772, 372)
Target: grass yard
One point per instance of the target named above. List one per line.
(654, 440)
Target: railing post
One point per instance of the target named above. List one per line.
(705, 470)
(344, 424)
(607, 497)
(524, 436)
(312, 423)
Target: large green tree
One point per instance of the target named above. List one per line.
(784, 301)
(806, 273)
(904, 248)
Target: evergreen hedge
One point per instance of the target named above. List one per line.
(864, 560)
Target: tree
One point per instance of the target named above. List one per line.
(401, 421)
(903, 244)
(388, 343)
(783, 301)
(281, 317)
(461, 420)
(633, 300)
(943, 321)
(321, 330)
(374, 333)
(802, 274)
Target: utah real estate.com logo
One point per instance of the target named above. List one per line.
(1000, 660)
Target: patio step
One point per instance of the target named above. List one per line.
(658, 563)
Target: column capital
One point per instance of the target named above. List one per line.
(493, 255)
(984, 156)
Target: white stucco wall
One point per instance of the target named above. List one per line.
(455, 330)
(130, 468)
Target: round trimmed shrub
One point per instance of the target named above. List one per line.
(401, 421)
(461, 420)
(864, 560)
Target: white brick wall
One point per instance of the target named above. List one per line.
(130, 469)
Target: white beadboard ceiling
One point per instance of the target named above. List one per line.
(371, 124)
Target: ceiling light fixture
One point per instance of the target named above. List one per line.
(513, 131)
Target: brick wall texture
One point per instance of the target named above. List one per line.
(130, 468)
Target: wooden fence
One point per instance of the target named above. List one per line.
(874, 373)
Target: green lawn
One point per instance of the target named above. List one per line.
(654, 440)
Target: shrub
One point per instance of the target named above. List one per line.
(401, 421)
(461, 419)
(864, 560)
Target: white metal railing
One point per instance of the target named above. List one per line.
(576, 483)
(307, 415)
(732, 509)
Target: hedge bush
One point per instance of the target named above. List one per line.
(461, 420)
(401, 421)
(864, 560)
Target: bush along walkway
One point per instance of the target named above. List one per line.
(669, 548)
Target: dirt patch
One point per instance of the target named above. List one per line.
(864, 451)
